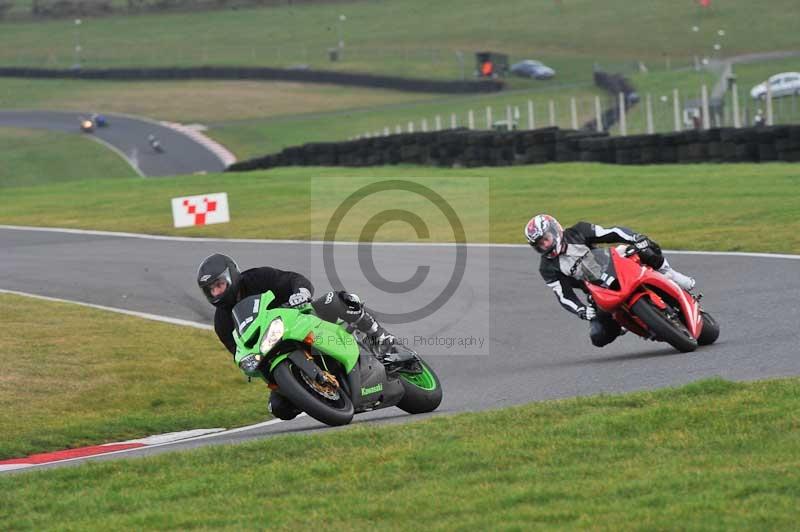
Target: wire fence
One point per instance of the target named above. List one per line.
(636, 114)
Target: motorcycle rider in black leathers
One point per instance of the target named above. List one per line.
(224, 285)
(561, 249)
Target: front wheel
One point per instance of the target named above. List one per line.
(329, 405)
(665, 328)
(710, 331)
(423, 391)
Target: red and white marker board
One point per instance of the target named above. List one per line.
(204, 209)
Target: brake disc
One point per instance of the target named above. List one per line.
(329, 389)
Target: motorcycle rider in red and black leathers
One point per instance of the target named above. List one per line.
(224, 285)
(561, 251)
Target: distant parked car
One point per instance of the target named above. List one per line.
(783, 84)
(532, 69)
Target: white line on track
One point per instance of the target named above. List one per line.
(145, 315)
(119, 152)
(340, 243)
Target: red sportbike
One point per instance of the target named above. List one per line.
(645, 301)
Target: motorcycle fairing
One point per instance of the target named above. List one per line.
(631, 275)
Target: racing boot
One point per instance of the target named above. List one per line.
(380, 340)
(684, 281)
(383, 344)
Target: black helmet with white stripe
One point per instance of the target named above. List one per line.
(218, 277)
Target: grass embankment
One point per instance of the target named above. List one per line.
(255, 138)
(193, 101)
(713, 455)
(74, 376)
(704, 207)
(414, 37)
(33, 157)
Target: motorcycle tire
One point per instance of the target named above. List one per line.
(710, 331)
(423, 391)
(676, 335)
(331, 412)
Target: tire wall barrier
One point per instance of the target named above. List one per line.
(260, 73)
(469, 148)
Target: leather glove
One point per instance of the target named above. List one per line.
(303, 295)
(642, 243)
(587, 313)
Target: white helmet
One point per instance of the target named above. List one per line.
(545, 234)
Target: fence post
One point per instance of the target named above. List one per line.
(438, 123)
(453, 121)
(531, 119)
(552, 105)
(649, 104)
(573, 108)
(704, 103)
(737, 122)
(398, 129)
(509, 117)
(411, 127)
(623, 126)
(424, 125)
(471, 119)
(676, 109)
(598, 114)
(488, 117)
(386, 132)
(769, 105)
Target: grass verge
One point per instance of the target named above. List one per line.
(192, 101)
(414, 37)
(34, 157)
(254, 138)
(713, 455)
(733, 207)
(76, 376)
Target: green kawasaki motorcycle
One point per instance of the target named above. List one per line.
(324, 369)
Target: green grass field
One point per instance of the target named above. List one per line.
(74, 376)
(703, 207)
(253, 138)
(193, 101)
(35, 157)
(413, 37)
(713, 455)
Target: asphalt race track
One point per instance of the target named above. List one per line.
(533, 349)
(181, 155)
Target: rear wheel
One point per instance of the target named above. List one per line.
(710, 331)
(666, 328)
(423, 391)
(328, 404)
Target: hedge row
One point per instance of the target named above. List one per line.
(465, 148)
(259, 73)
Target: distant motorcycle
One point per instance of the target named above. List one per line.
(87, 126)
(99, 120)
(155, 144)
(644, 301)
